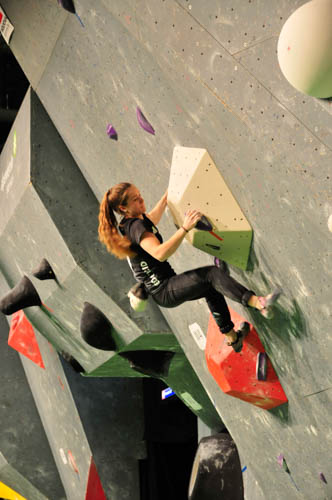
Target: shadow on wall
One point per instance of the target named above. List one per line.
(288, 322)
(279, 334)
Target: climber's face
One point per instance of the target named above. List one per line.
(135, 205)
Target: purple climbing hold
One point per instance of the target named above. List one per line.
(322, 477)
(111, 132)
(143, 122)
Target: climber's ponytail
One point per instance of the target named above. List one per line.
(108, 227)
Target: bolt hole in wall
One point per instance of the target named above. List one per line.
(13, 87)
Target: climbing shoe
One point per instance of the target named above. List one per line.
(241, 333)
(138, 297)
(267, 302)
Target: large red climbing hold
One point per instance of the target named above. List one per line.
(22, 338)
(235, 373)
(94, 490)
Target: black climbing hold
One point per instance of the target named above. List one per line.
(214, 247)
(261, 366)
(285, 466)
(152, 363)
(72, 361)
(216, 471)
(22, 295)
(44, 271)
(68, 5)
(96, 329)
(204, 224)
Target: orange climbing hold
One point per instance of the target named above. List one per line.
(22, 338)
(235, 373)
(94, 490)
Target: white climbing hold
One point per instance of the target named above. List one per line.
(329, 223)
(198, 335)
(63, 456)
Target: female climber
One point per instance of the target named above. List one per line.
(148, 254)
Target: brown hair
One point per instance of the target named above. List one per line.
(108, 226)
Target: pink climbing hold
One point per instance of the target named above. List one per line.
(280, 460)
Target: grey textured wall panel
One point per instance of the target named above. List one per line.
(98, 428)
(14, 164)
(22, 439)
(60, 419)
(35, 32)
(55, 212)
(111, 411)
(59, 195)
(53, 180)
(207, 76)
(238, 25)
(64, 427)
(294, 107)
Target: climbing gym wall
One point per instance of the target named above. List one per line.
(204, 76)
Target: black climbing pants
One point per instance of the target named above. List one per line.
(207, 282)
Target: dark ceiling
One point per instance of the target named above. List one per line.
(13, 87)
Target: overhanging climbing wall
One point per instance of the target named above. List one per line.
(68, 406)
(75, 316)
(206, 75)
(196, 183)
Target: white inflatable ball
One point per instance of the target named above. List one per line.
(305, 48)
